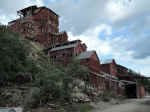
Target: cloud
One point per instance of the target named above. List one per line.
(8, 9)
(3, 19)
(91, 38)
(11, 7)
(78, 16)
(117, 48)
(133, 15)
(141, 48)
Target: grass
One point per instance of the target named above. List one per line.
(85, 107)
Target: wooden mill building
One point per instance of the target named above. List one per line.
(41, 24)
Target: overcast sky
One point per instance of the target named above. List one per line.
(116, 29)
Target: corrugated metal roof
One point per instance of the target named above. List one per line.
(108, 75)
(43, 7)
(107, 61)
(64, 47)
(85, 55)
(60, 33)
(27, 8)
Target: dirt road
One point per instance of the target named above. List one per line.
(136, 105)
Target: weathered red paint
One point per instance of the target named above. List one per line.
(140, 91)
(41, 25)
(66, 54)
(109, 68)
(124, 74)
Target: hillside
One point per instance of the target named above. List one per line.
(29, 79)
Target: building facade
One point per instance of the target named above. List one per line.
(40, 24)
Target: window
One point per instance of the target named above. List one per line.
(70, 54)
(63, 54)
(42, 29)
(29, 25)
(50, 29)
(60, 37)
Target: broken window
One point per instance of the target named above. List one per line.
(63, 54)
(42, 29)
(70, 54)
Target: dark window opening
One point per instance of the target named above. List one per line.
(63, 55)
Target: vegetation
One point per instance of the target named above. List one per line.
(14, 51)
(85, 108)
(52, 82)
(108, 95)
(58, 82)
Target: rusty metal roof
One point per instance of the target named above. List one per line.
(36, 9)
(27, 8)
(108, 61)
(64, 47)
(86, 55)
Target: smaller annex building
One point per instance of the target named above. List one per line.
(130, 79)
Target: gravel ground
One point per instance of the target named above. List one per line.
(134, 105)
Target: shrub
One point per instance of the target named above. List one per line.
(32, 99)
(19, 57)
(57, 82)
(85, 107)
(14, 55)
(108, 94)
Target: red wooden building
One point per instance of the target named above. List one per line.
(65, 51)
(39, 24)
(91, 60)
(109, 66)
(126, 76)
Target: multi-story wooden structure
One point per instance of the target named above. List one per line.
(91, 60)
(109, 66)
(65, 51)
(39, 24)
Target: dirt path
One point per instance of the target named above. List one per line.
(137, 105)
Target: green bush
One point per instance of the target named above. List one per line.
(19, 55)
(85, 108)
(57, 81)
(108, 95)
(32, 98)
(14, 55)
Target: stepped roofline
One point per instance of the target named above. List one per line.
(34, 9)
(64, 47)
(108, 61)
(27, 8)
(86, 54)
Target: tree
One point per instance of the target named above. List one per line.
(54, 81)
(57, 81)
(14, 55)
